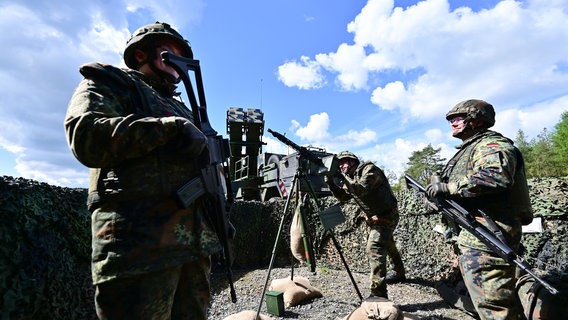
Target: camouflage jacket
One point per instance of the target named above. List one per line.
(126, 133)
(487, 173)
(372, 192)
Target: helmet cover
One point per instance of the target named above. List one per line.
(474, 109)
(150, 34)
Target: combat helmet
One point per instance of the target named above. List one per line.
(149, 34)
(474, 109)
(347, 155)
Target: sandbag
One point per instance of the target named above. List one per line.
(295, 291)
(376, 308)
(247, 315)
(296, 242)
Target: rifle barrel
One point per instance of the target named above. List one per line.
(302, 150)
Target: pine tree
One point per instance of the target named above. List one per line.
(423, 163)
(560, 144)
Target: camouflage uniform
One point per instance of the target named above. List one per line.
(122, 125)
(371, 189)
(482, 175)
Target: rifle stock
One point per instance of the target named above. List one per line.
(453, 211)
(215, 180)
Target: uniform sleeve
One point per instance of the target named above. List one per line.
(368, 180)
(493, 167)
(340, 193)
(102, 130)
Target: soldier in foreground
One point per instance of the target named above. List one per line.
(368, 186)
(151, 256)
(487, 173)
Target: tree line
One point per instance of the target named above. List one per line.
(546, 155)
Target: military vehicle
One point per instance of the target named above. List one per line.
(258, 175)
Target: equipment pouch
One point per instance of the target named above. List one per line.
(190, 191)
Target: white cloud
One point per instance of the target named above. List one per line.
(434, 135)
(316, 133)
(388, 98)
(304, 75)
(316, 129)
(414, 64)
(531, 120)
(426, 58)
(349, 62)
(510, 53)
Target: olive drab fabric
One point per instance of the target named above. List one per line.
(128, 134)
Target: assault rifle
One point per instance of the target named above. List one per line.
(454, 212)
(215, 180)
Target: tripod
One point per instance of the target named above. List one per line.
(300, 177)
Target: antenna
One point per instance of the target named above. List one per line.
(260, 94)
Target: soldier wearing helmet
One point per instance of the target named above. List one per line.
(487, 173)
(151, 256)
(367, 184)
(470, 116)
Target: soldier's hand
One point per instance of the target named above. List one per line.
(328, 177)
(191, 140)
(437, 189)
(430, 206)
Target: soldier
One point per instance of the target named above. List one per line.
(486, 173)
(151, 257)
(368, 185)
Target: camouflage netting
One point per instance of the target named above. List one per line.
(45, 236)
(45, 252)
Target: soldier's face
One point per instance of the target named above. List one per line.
(457, 124)
(160, 65)
(346, 166)
(171, 48)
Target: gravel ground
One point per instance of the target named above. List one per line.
(414, 297)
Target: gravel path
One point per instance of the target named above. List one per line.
(414, 297)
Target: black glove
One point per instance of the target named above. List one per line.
(437, 189)
(190, 140)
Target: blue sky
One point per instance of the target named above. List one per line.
(373, 77)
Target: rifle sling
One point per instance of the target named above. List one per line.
(493, 228)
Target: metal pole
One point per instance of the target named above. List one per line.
(294, 181)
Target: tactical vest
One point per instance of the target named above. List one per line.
(160, 172)
(516, 198)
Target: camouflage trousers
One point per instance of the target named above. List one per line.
(180, 292)
(490, 281)
(380, 244)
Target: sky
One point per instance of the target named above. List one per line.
(373, 77)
